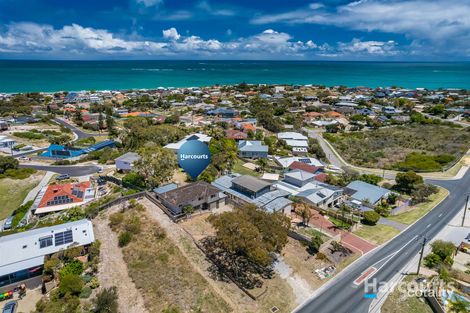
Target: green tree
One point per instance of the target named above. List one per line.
(315, 243)
(407, 181)
(100, 121)
(371, 217)
(443, 249)
(134, 179)
(223, 153)
(251, 232)
(8, 162)
(70, 284)
(156, 165)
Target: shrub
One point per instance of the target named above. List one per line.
(94, 283)
(29, 135)
(315, 243)
(51, 265)
(87, 278)
(106, 301)
(94, 250)
(124, 239)
(70, 284)
(133, 224)
(116, 219)
(86, 293)
(371, 217)
(432, 260)
(73, 268)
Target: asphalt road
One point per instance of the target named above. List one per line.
(80, 134)
(342, 296)
(72, 170)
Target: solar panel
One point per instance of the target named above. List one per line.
(63, 238)
(306, 161)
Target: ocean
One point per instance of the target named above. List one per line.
(30, 76)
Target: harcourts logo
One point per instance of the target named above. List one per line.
(416, 288)
(194, 156)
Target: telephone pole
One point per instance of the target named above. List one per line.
(421, 255)
(465, 211)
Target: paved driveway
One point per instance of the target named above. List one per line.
(352, 241)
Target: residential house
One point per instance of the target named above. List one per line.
(125, 162)
(198, 136)
(294, 139)
(235, 134)
(6, 142)
(59, 197)
(247, 189)
(302, 184)
(22, 256)
(199, 195)
(296, 165)
(252, 149)
(287, 161)
(365, 192)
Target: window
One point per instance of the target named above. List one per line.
(63, 238)
(45, 242)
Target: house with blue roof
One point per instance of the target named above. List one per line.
(365, 192)
(65, 152)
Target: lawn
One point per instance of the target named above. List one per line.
(377, 234)
(240, 169)
(13, 192)
(414, 147)
(421, 209)
(398, 302)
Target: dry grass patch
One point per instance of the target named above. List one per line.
(163, 274)
(303, 263)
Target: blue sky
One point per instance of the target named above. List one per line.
(424, 30)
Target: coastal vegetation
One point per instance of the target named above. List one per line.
(417, 147)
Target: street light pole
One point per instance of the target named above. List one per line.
(421, 255)
(465, 211)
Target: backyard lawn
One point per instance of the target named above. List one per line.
(13, 192)
(421, 209)
(377, 234)
(240, 169)
(411, 147)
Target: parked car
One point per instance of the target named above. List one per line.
(63, 177)
(10, 307)
(8, 223)
(23, 158)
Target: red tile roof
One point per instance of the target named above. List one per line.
(54, 191)
(321, 177)
(296, 165)
(235, 134)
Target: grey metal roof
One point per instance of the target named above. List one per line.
(253, 146)
(299, 175)
(250, 182)
(165, 188)
(362, 191)
(128, 157)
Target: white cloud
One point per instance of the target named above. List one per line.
(357, 46)
(76, 41)
(206, 6)
(443, 23)
(149, 3)
(171, 34)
